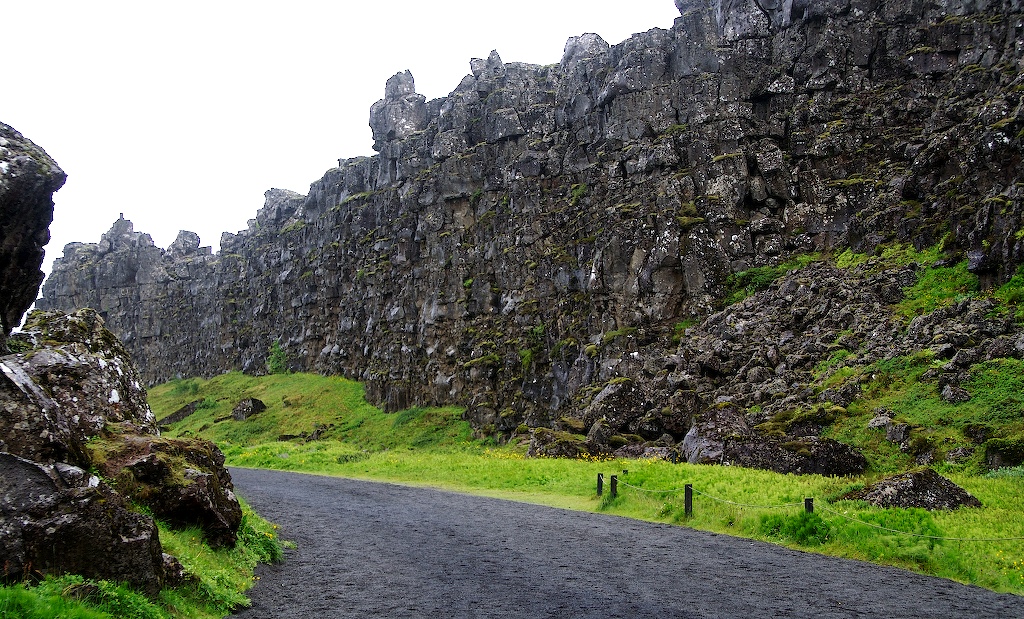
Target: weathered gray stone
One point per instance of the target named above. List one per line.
(925, 489)
(54, 398)
(28, 179)
(401, 113)
(247, 408)
(48, 526)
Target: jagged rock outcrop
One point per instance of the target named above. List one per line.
(924, 488)
(28, 179)
(58, 519)
(71, 401)
(522, 244)
(71, 380)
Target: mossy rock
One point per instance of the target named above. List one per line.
(182, 481)
(571, 424)
(618, 440)
(1004, 452)
(549, 443)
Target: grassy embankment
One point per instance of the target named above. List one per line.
(220, 579)
(433, 447)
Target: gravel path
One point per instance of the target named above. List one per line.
(380, 550)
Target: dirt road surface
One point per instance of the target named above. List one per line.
(380, 550)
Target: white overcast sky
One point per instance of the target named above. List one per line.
(181, 114)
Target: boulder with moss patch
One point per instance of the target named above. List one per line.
(549, 443)
(57, 519)
(71, 400)
(924, 488)
(183, 481)
(723, 434)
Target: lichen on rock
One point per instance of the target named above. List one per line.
(923, 488)
(71, 401)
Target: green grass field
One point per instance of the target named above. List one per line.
(433, 447)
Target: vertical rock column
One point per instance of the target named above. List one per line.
(28, 178)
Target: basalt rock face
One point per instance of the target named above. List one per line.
(28, 178)
(72, 401)
(529, 241)
(60, 520)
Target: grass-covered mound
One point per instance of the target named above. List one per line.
(434, 447)
(300, 405)
(217, 587)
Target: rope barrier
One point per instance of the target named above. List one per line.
(622, 483)
(831, 511)
(714, 498)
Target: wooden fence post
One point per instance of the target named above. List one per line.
(688, 500)
(615, 486)
(600, 483)
(809, 505)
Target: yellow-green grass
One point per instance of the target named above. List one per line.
(299, 404)
(506, 473)
(220, 579)
(899, 386)
(432, 447)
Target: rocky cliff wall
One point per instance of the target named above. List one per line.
(540, 231)
(28, 178)
(72, 402)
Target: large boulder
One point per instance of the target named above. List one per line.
(706, 440)
(71, 400)
(247, 408)
(548, 443)
(925, 488)
(28, 178)
(72, 379)
(183, 482)
(57, 519)
(724, 435)
(803, 455)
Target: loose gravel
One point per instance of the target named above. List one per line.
(368, 549)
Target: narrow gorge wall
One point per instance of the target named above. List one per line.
(28, 178)
(542, 229)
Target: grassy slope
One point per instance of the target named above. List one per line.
(908, 386)
(301, 403)
(433, 447)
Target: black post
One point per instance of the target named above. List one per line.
(688, 500)
(809, 505)
(600, 483)
(615, 486)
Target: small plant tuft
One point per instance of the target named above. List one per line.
(277, 361)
